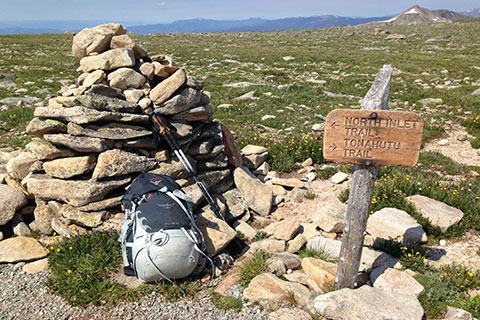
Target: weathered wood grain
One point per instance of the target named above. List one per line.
(363, 181)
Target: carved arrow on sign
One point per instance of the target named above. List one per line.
(333, 147)
(333, 125)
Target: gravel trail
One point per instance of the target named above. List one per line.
(25, 296)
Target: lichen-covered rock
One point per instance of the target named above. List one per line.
(95, 40)
(80, 144)
(103, 103)
(40, 127)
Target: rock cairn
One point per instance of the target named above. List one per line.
(95, 137)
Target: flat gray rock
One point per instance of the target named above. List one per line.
(366, 303)
(439, 213)
(391, 223)
(80, 144)
(74, 192)
(105, 103)
(40, 127)
(371, 258)
(111, 131)
(82, 115)
(395, 281)
(19, 249)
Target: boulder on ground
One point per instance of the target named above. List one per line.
(396, 281)
(257, 195)
(18, 249)
(283, 230)
(268, 287)
(395, 224)
(217, 233)
(268, 245)
(322, 272)
(289, 314)
(439, 213)
(366, 303)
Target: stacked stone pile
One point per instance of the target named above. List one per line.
(95, 137)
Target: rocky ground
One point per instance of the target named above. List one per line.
(24, 296)
(284, 94)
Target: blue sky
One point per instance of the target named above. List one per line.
(169, 10)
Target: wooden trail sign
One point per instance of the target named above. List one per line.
(368, 137)
(378, 126)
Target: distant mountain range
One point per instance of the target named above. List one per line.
(413, 15)
(419, 15)
(255, 24)
(475, 13)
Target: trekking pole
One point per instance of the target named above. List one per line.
(161, 126)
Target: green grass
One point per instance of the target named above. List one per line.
(448, 285)
(327, 173)
(394, 184)
(260, 236)
(252, 266)
(225, 302)
(81, 270)
(317, 254)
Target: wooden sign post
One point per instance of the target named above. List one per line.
(368, 137)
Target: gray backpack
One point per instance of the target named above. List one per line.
(160, 239)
